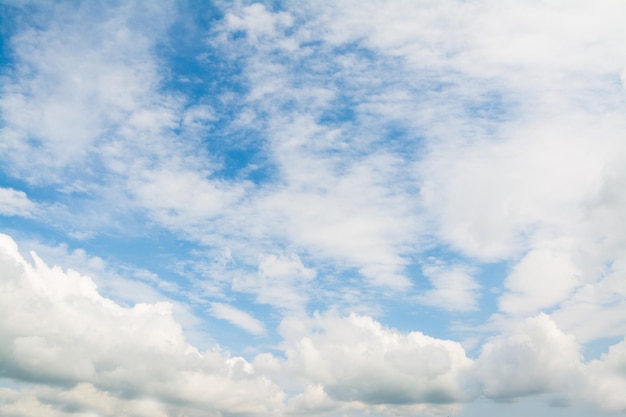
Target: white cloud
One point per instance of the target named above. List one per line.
(84, 400)
(596, 310)
(125, 284)
(238, 318)
(258, 23)
(357, 210)
(313, 400)
(490, 197)
(15, 203)
(356, 359)
(488, 38)
(454, 287)
(540, 280)
(198, 117)
(74, 83)
(351, 211)
(355, 217)
(111, 283)
(182, 199)
(534, 357)
(505, 144)
(58, 329)
(281, 281)
(606, 380)
(492, 181)
(283, 268)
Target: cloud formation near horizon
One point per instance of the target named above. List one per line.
(59, 332)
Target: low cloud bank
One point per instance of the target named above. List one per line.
(73, 349)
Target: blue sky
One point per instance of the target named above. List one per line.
(307, 208)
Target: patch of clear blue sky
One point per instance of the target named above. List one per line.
(594, 349)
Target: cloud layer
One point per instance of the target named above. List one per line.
(61, 336)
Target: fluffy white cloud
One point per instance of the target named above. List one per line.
(346, 362)
(82, 400)
(58, 329)
(535, 357)
(357, 359)
(125, 285)
(606, 380)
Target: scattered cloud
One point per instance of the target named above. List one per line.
(363, 184)
(238, 318)
(535, 357)
(15, 203)
(355, 358)
(454, 287)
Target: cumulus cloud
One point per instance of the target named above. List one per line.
(355, 358)
(124, 284)
(59, 330)
(67, 346)
(83, 399)
(536, 357)
(346, 362)
(606, 380)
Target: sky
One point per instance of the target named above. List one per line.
(351, 208)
